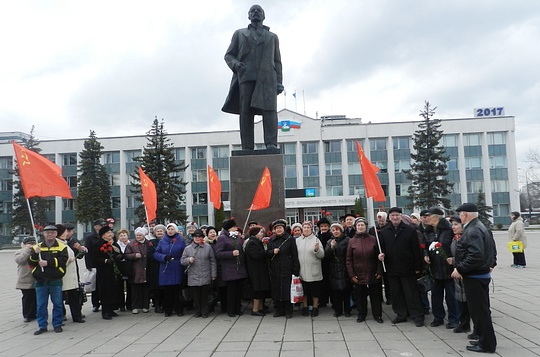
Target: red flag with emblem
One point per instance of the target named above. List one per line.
(40, 177)
(264, 192)
(149, 195)
(371, 181)
(214, 186)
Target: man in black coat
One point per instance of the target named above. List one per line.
(90, 242)
(403, 260)
(474, 259)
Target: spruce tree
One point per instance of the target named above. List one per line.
(93, 184)
(483, 210)
(20, 221)
(428, 174)
(158, 162)
(359, 207)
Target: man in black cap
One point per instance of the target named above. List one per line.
(403, 259)
(48, 261)
(474, 259)
(349, 229)
(90, 241)
(444, 288)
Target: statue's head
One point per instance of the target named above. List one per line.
(256, 13)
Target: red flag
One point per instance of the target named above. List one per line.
(214, 187)
(149, 195)
(39, 176)
(264, 192)
(371, 181)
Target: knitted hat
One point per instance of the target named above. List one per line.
(337, 225)
(360, 219)
(60, 229)
(323, 220)
(160, 226)
(141, 230)
(104, 230)
(228, 224)
(192, 225)
(173, 225)
(308, 223)
(295, 226)
(253, 231)
(415, 215)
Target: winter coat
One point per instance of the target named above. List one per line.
(56, 257)
(283, 265)
(107, 277)
(440, 269)
(212, 243)
(139, 265)
(335, 259)
(458, 283)
(170, 272)
(516, 231)
(70, 280)
(401, 249)
(363, 259)
(232, 268)
(152, 272)
(310, 260)
(25, 280)
(257, 259)
(476, 252)
(204, 268)
(262, 61)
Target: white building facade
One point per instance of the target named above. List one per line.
(322, 172)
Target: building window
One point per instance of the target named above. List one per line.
(354, 168)
(132, 154)
(114, 179)
(132, 202)
(220, 152)
(115, 202)
(473, 163)
(357, 190)
(501, 210)
(475, 186)
(290, 171)
(51, 157)
(334, 191)
(199, 175)
(452, 164)
(180, 154)
(6, 185)
(497, 162)
(71, 181)
(402, 165)
(400, 143)
(68, 204)
(471, 140)
(310, 148)
(289, 148)
(351, 145)
(333, 169)
(112, 157)
(449, 140)
(332, 146)
(402, 190)
(198, 153)
(497, 138)
(377, 144)
(312, 215)
(69, 159)
(499, 186)
(6, 162)
(311, 170)
(223, 174)
(200, 198)
(382, 165)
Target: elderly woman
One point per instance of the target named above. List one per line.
(126, 268)
(168, 253)
(200, 261)
(296, 230)
(233, 271)
(152, 274)
(219, 287)
(25, 279)
(105, 257)
(335, 255)
(365, 271)
(257, 266)
(310, 255)
(516, 233)
(283, 264)
(137, 253)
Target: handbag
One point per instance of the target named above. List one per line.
(297, 291)
(515, 246)
(425, 283)
(90, 280)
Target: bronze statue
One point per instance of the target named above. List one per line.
(255, 60)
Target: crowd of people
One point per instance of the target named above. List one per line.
(173, 269)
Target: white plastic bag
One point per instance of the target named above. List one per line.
(90, 280)
(297, 291)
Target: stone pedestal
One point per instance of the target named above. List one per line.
(245, 173)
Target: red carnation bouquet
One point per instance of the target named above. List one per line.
(438, 249)
(107, 248)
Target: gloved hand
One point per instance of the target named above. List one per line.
(168, 258)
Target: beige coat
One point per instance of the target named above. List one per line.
(70, 280)
(25, 278)
(516, 232)
(310, 261)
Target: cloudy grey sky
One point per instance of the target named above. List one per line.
(70, 66)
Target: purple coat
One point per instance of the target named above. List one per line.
(232, 268)
(170, 273)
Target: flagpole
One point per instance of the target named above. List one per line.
(247, 220)
(377, 236)
(33, 227)
(146, 213)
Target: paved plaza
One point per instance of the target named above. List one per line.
(515, 303)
